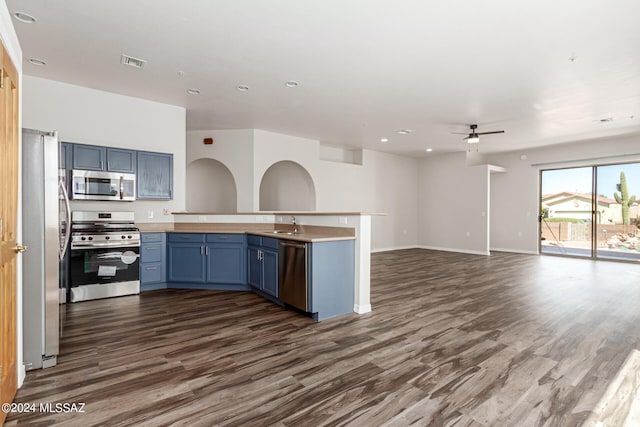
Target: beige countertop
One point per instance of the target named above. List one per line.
(299, 213)
(306, 233)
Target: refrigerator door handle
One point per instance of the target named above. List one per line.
(121, 187)
(67, 232)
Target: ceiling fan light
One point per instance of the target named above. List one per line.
(473, 139)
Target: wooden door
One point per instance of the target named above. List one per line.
(8, 225)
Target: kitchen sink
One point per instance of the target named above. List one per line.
(288, 233)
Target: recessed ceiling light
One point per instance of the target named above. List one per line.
(193, 91)
(291, 83)
(428, 150)
(242, 88)
(384, 139)
(38, 62)
(405, 131)
(24, 17)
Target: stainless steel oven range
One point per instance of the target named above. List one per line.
(105, 255)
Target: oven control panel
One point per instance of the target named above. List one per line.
(114, 239)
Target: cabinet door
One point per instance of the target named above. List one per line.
(155, 176)
(270, 272)
(89, 157)
(186, 263)
(254, 267)
(225, 263)
(119, 160)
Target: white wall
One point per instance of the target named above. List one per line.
(515, 194)
(287, 186)
(384, 183)
(211, 187)
(95, 117)
(453, 204)
(234, 149)
(12, 46)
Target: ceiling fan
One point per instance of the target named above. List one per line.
(474, 137)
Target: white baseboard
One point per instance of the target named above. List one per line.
(514, 251)
(362, 309)
(462, 251)
(395, 248)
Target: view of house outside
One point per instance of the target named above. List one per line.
(567, 202)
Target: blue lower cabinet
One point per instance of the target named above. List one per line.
(153, 267)
(270, 272)
(226, 263)
(207, 261)
(254, 264)
(187, 262)
(262, 264)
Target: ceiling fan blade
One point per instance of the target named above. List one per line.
(489, 133)
(460, 133)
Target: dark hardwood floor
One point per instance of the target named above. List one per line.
(453, 339)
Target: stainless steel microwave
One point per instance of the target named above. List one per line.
(95, 185)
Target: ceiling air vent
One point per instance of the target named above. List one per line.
(131, 61)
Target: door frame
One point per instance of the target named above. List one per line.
(9, 161)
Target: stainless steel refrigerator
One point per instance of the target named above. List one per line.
(45, 230)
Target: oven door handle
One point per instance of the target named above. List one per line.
(103, 245)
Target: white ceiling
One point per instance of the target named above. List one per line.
(545, 71)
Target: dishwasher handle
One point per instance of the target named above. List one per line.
(295, 245)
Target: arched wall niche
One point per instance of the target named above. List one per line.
(210, 187)
(287, 186)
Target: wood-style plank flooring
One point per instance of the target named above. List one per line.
(453, 339)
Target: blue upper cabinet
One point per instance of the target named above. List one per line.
(89, 157)
(98, 158)
(155, 176)
(119, 160)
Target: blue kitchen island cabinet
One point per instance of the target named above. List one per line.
(154, 176)
(207, 261)
(153, 267)
(185, 253)
(262, 254)
(331, 276)
(226, 258)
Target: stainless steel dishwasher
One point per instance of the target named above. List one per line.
(293, 286)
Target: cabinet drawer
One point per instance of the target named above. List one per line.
(151, 237)
(151, 252)
(186, 237)
(225, 238)
(150, 273)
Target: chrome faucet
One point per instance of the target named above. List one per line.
(295, 226)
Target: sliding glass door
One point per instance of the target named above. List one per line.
(591, 212)
(566, 212)
(618, 187)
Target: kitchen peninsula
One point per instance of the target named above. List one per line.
(339, 242)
